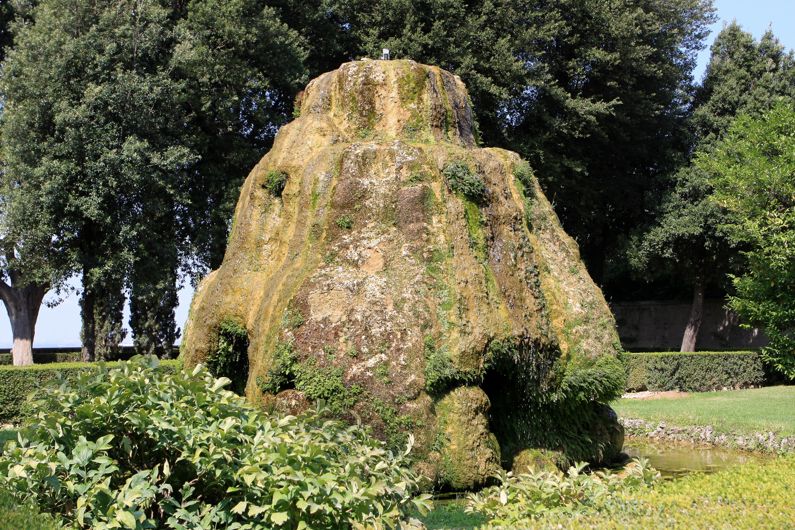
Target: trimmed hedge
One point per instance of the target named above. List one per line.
(45, 357)
(18, 382)
(693, 372)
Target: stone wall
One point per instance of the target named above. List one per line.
(659, 325)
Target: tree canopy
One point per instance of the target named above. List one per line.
(753, 174)
(134, 122)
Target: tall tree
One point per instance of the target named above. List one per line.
(753, 172)
(592, 92)
(139, 118)
(688, 237)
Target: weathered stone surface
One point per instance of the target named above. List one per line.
(424, 311)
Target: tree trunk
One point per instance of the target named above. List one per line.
(88, 331)
(23, 306)
(694, 321)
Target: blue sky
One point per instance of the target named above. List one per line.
(60, 325)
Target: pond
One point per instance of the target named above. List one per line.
(675, 460)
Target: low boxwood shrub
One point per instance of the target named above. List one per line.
(693, 372)
(133, 447)
(45, 357)
(18, 383)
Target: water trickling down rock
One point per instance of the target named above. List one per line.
(413, 281)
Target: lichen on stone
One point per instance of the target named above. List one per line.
(417, 299)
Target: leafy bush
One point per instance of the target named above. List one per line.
(693, 372)
(131, 447)
(17, 383)
(275, 181)
(461, 179)
(518, 499)
(751, 170)
(230, 358)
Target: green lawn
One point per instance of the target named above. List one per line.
(770, 409)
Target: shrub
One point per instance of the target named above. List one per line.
(46, 357)
(132, 447)
(517, 499)
(275, 181)
(17, 383)
(230, 358)
(461, 179)
(693, 372)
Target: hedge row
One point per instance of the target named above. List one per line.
(45, 357)
(693, 372)
(19, 382)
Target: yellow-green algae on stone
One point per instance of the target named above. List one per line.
(371, 282)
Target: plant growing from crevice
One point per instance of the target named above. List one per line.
(275, 181)
(281, 374)
(440, 372)
(460, 179)
(344, 222)
(230, 357)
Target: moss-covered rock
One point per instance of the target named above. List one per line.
(534, 460)
(468, 451)
(412, 279)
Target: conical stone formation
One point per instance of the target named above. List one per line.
(381, 262)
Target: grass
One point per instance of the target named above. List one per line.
(449, 515)
(750, 496)
(6, 435)
(769, 409)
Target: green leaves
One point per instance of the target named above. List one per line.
(518, 499)
(752, 171)
(224, 464)
(461, 179)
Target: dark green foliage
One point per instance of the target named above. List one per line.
(542, 406)
(693, 372)
(325, 384)
(396, 426)
(128, 127)
(752, 171)
(281, 374)
(145, 449)
(45, 357)
(22, 516)
(18, 383)
(440, 373)
(275, 181)
(318, 383)
(230, 358)
(461, 179)
(345, 222)
(688, 239)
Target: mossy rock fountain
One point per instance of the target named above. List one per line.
(381, 262)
